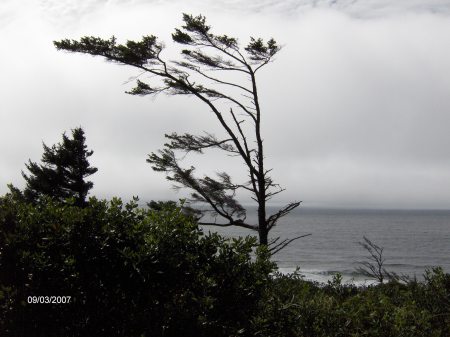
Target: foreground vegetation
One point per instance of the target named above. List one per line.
(141, 272)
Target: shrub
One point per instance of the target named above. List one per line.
(297, 308)
(143, 272)
(129, 272)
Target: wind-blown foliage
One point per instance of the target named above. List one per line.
(206, 59)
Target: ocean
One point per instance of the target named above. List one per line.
(413, 241)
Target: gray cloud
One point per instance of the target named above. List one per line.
(72, 12)
(363, 8)
(356, 110)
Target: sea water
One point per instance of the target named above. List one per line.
(413, 241)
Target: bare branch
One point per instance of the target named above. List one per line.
(374, 267)
(272, 220)
(197, 70)
(213, 63)
(253, 171)
(232, 223)
(275, 249)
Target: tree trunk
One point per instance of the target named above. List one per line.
(263, 232)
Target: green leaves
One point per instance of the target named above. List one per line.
(295, 307)
(227, 41)
(260, 51)
(88, 44)
(62, 172)
(142, 89)
(188, 142)
(182, 37)
(196, 24)
(122, 264)
(134, 53)
(206, 72)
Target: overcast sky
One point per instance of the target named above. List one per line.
(356, 107)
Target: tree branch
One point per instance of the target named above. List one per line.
(233, 223)
(197, 70)
(272, 220)
(188, 142)
(275, 249)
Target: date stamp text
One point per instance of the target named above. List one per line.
(48, 299)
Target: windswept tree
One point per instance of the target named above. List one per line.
(62, 172)
(374, 265)
(221, 74)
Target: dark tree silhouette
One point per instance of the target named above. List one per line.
(222, 75)
(62, 172)
(373, 267)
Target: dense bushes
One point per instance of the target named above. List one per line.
(141, 272)
(295, 307)
(129, 272)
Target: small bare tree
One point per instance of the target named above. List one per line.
(374, 266)
(209, 61)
